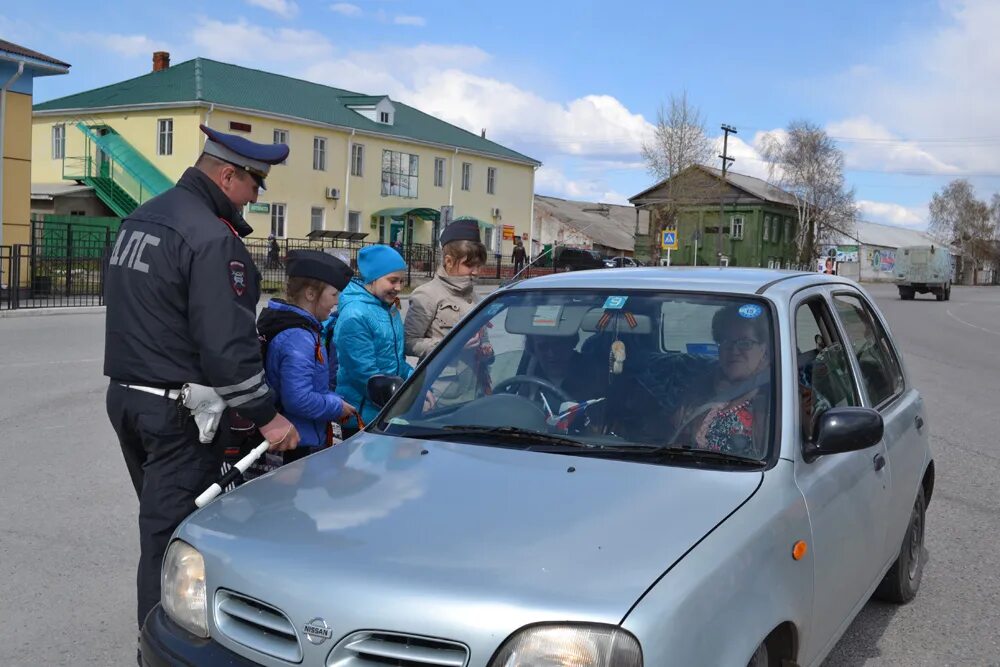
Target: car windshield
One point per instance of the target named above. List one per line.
(627, 372)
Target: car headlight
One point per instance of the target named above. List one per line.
(570, 646)
(182, 588)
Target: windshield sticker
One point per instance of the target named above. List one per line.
(495, 308)
(615, 302)
(546, 316)
(399, 421)
(750, 311)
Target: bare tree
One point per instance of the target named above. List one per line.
(966, 221)
(805, 162)
(678, 142)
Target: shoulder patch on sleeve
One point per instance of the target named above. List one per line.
(238, 277)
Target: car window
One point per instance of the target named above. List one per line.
(626, 369)
(880, 371)
(824, 373)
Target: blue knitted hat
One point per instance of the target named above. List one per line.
(375, 261)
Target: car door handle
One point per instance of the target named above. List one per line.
(879, 461)
(919, 421)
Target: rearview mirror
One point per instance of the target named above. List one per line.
(382, 387)
(840, 430)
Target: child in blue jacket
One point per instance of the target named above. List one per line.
(369, 332)
(296, 360)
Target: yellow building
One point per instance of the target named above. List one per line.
(18, 69)
(358, 163)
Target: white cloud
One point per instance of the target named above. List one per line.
(283, 8)
(129, 46)
(345, 9)
(241, 42)
(552, 181)
(934, 88)
(440, 80)
(868, 145)
(893, 214)
(418, 21)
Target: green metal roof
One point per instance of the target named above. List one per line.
(208, 81)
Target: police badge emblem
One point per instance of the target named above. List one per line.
(238, 277)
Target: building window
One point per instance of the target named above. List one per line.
(319, 153)
(383, 116)
(399, 174)
(316, 217)
(767, 230)
(466, 175)
(776, 230)
(788, 230)
(354, 221)
(736, 227)
(165, 136)
(491, 180)
(58, 142)
(278, 220)
(438, 172)
(281, 137)
(357, 160)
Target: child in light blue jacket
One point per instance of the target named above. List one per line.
(369, 332)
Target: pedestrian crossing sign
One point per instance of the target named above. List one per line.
(669, 240)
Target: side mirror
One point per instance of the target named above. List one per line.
(382, 387)
(840, 430)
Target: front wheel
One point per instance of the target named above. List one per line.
(902, 581)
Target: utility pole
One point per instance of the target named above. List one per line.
(722, 200)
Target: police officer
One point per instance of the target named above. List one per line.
(181, 293)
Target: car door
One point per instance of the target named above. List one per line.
(845, 494)
(900, 405)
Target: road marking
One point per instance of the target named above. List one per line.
(970, 324)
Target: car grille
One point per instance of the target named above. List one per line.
(257, 626)
(378, 649)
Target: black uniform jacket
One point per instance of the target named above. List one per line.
(181, 291)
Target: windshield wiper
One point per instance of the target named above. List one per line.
(503, 432)
(708, 455)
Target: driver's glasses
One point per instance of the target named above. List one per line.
(740, 344)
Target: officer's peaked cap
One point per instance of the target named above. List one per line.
(241, 152)
(319, 265)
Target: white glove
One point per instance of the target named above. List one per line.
(206, 407)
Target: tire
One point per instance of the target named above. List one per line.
(902, 581)
(906, 294)
(760, 657)
(947, 292)
(940, 294)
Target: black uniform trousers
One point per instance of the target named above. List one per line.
(169, 467)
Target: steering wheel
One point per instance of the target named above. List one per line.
(538, 382)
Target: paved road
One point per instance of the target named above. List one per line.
(68, 536)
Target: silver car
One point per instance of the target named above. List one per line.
(607, 468)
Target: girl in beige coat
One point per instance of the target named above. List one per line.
(437, 306)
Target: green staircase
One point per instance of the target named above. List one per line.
(121, 176)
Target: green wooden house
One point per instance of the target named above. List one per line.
(758, 219)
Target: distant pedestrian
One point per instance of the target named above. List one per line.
(518, 256)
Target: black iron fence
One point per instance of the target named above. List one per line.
(64, 264)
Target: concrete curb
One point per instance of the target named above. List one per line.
(43, 312)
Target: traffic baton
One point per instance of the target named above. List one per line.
(233, 474)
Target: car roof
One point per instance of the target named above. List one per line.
(770, 282)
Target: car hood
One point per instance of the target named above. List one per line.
(427, 537)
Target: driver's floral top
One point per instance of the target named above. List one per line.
(726, 429)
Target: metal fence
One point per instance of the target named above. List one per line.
(64, 264)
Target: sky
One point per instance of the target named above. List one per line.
(908, 88)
